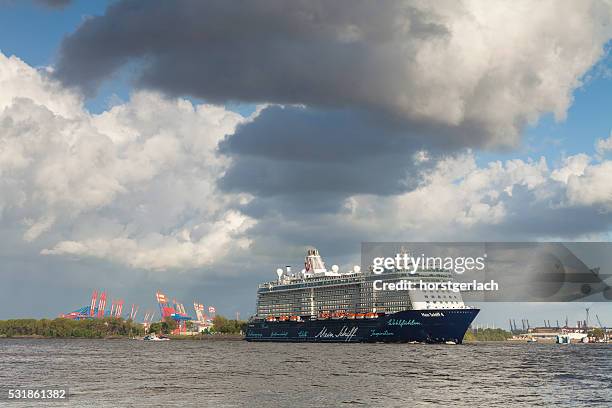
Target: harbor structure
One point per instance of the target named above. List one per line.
(174, 310)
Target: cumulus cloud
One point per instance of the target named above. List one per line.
(604, 145)
(592, 187)
(490, 66)
(513, 198)
(135, 184)
(166, 251)
(572, 166)
(458, 200)
(19, 80)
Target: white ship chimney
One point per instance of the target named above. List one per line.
(313, 262)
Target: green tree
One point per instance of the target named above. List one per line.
(155, 328)
(596, 332)
(487, 335)
(224, 325)
(169, 325)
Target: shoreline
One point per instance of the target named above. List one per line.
(212, 337)
(241, 338)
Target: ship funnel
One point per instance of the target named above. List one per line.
(288, 269)
(314, 262)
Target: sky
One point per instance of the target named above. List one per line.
(194, 147)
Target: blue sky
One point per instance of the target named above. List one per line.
(588, 119)
(283, 222)
(34, 33)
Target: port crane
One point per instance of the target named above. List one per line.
(586, 323)
(605, 332)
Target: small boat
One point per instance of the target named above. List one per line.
(295, 318)
(270, 319)
(283, 318)
(371, 315)
(153, 337)
(359, 315)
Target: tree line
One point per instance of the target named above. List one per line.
(487, 335)
(61, 327)
(224, 325)
(106, 327)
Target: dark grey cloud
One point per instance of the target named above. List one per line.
(313, 52)
(444, 62)
(529, 217)
(298, 160)
(313, 159)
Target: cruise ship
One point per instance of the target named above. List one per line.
(321, 305)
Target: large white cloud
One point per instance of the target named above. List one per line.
(460, 200)
(19, 80)
(135, 184)
(592, 187)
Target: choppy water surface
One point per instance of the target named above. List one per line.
(121, 373)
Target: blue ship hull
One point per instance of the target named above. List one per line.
(424, 326)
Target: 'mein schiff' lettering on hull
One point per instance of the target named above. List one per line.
(347, 333)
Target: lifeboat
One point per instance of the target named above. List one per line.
(294, 318)
(324, 316)
(283, 318)
(371, 315)
(350, 315)
(359, 315)
(270, 319)
(337, 315)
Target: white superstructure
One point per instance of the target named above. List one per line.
(315, 291)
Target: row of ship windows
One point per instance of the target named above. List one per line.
(350, 302)
(317, 283)
(307, 295)
(330, 307)
(443, 296)
(318, 295)
(331, 298)
(346, 304)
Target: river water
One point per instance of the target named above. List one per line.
(130, 373)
